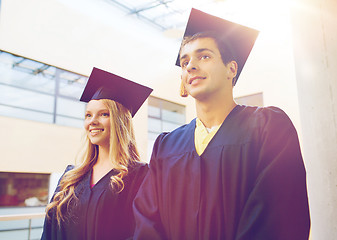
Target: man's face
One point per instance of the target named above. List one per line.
(204, 75)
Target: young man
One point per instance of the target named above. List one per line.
(234, 172)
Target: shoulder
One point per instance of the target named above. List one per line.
(269, 125)
(252, 124)
(262, 116)
(138, 166)
(138, 169)
(136, 174)
(275, 118)
(182, 132)
(176, 142)
(261, 112)
(69, 167)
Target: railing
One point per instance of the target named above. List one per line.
(18, 217)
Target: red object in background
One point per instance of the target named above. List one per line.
(9, 200)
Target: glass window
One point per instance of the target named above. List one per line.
(173, 116)
(71, 122)
(29, 90)
(26, 74)
(154, 125)
(169, 126)
(163, 116)
(251, 100)
(23, 189)
(71, 84)
(154, 111)
(13, 96)
(15, 112)
(70, 108)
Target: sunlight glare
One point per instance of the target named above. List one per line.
(263, 15)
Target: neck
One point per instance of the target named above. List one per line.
(103, 155)
(213, 111)
(102, 166)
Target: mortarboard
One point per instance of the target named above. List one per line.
(239, 39)
(105, 85)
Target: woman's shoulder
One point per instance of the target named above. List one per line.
(69, 167)
(136, 174)
(137, 168)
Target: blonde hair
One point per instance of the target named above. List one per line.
(123, 153)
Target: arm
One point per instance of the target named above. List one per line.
(146, 206)
(277, 207)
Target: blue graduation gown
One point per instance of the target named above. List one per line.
(101, 213)
(249, 183)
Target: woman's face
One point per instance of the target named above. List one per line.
(97, 123)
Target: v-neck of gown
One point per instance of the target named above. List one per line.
(108, 174)
(101, 179)
(219, 132)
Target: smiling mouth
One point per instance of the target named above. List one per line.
(96, 130)
(195, 78)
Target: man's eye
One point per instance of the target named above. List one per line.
(184, 64)
(205, 57)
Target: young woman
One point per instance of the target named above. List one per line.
(94, 199)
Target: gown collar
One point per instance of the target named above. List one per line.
(222, 129)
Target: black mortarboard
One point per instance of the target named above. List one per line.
(238, 39)
(105, 85)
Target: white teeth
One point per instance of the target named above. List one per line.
(96, 131)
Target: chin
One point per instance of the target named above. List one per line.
(95, 141)
(197, 95)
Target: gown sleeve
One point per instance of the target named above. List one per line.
(145, 206)
(277, 207)
(50, 224)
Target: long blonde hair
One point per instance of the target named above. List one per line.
(123, 153)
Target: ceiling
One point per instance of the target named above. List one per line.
(163, 15)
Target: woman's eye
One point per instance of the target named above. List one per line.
(205, 57)
(87, 115)
(105, 114)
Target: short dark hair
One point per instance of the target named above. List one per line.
(225, 51)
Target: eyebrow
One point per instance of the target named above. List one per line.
(99, 110)
(199, 50)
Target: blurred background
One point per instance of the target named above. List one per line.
(49, 47)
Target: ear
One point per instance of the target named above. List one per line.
(233, 67)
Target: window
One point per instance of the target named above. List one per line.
(36, 91)
(251, 100)
(163, 116)
(23, 189)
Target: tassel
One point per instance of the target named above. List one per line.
(183, 92)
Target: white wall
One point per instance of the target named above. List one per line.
(270, 66)
(76, 36)
(28, 146)
(315, 48)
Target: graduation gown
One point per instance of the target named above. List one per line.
(101, 213)
(249, 183)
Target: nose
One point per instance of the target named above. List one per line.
(192, 65)
(93, 120)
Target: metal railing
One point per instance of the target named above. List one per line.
(16, 217)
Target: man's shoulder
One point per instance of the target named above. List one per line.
(247, 123)
(179, 140)
(264, 120)
(261, 114)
